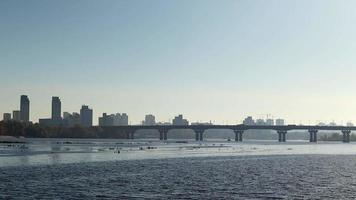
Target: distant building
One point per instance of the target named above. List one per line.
(180, 121)
(86, 116)
(321, 124)
(70, 120)
(164, 123)
(24, 109)
(114, 119)
(117, 119)
(106, 120)
(349, 124)
(270, 122)
(56, 108)
(248, 121)
(150, 120)
(121, 119)
(56, 119)
(260, 122)
(66, 115)
(201, 123)
(332, 124)
(124, 119)
(280, 122)
(7, 116)
(16, 115)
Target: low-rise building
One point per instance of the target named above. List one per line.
(16, 115)
(280, 122)
(248, 121)
(7, 116)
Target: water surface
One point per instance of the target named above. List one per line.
(93, 169)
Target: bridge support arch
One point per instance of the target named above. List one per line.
(346, 136)
(282, 135)
(313, 137)
(238, 135)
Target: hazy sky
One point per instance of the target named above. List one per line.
(208, 60)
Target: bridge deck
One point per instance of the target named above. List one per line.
(239, 127)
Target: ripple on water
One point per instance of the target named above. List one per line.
(250, 177)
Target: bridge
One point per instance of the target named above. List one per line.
(239, 130)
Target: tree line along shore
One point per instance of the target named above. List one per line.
(34, 130)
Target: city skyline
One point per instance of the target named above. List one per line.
(85, 118)
(203, 59)
(177, 99)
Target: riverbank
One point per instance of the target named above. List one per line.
(11, 139)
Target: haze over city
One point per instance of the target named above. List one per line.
(177, 99)
(203, 59)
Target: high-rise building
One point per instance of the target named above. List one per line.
(120, 119)
(179, 121)
(56, 108)
(124, 119)
(56, 119)
(16, 115)
(24, 109)
(280, 122)
(150, 120)
(86, 116)
(117, 119)
(7, 116)
(106, 120)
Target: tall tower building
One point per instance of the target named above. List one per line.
(86, 116)
(56, 108)
(24, 109)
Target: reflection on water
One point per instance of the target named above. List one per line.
(58, 151)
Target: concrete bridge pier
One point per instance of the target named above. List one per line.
(346, 136)
(130, 135)
(163, 134)
(199, 135)
(313, 135)
(238, 135)
(282, 136)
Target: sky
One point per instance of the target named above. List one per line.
(206, 59)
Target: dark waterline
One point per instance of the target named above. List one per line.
(245, 177)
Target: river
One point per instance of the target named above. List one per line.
(144, 169)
